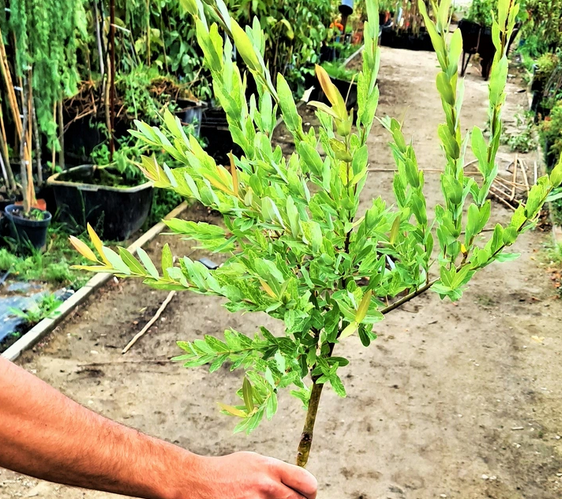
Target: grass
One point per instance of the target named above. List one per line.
(45, 308)
(52, 266)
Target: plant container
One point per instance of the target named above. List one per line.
(27, 232)
(116, 212)
(191, 114)
(215, 132)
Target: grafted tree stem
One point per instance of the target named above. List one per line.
(305, 443)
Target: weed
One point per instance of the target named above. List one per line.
(524, 138)
(52, 266)
(38, 311)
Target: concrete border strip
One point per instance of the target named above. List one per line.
(40, 330)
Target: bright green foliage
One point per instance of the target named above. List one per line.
(47, 34)
(296, 246)
(481, 11)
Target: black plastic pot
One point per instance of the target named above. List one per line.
(405, 39)
(214, 130)
(27, 232)
(191, 115)
(115, 212)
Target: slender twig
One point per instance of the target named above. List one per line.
(150, 322)
(512, 197)
(408, 297)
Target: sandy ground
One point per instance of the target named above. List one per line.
(452, 400)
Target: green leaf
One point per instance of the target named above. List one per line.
(507, 257)
(167, 259)
(248, 394)
(445, 90)
(147, 262)
(288, 107)
(363, 307)
(556, 174)
(233, 411)
(395, 230)
(244, 46)
(349, 330)
(116, 261)
(131, 262)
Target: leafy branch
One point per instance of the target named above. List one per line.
(295, 244)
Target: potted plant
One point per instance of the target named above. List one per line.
(28, 221)
(403, 26)
(296, 246)
(108, 194)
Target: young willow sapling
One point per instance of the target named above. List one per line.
(296, 245)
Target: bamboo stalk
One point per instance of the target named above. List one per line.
(12, 99)
(28, 100)
(4, 171)
(23, 167)
(112, 82)
(512, 197)
(500, 198)
(524, 170)
(7, 171)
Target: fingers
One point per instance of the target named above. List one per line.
(301, 481)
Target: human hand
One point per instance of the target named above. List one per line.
(246, 475)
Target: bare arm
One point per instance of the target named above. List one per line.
(46, 435)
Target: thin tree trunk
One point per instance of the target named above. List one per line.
(112, 82)
(61, 136)
(307, 435)
(12, 99)
(98, 39)
(148, 33)
(54, 148)
(23, 159)
(37, 137)
(28, 139)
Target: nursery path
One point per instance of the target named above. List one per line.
(452, 400)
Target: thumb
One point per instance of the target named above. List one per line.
(298, 479)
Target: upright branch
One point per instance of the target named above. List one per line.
(296, 245)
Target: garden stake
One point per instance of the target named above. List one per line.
(150, 322)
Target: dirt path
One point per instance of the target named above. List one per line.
(452, 400)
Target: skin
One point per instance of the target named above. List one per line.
(46, 435)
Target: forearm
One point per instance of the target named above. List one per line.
(46, 435)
